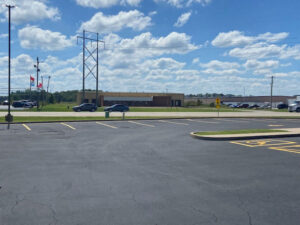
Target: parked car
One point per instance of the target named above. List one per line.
(85, 107)
(282, 106)
(5, 102)
(18, 104)
(294, 107)
(117, 108)
(244, 106)
(265, 106)
(255, 106)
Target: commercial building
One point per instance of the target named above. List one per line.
(133, 98)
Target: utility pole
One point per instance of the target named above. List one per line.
(9, 117)
(49, 77)
(91, 64)
(37, 80)
(42, 93)
(272, 81)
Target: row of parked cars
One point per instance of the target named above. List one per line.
(92, 108)
(255, 106)
(21, 103)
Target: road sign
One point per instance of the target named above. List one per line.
(218, 101)
(217, 106)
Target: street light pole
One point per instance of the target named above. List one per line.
(9, 117)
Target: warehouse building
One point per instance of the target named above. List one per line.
(133, 99)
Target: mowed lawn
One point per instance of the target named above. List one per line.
(67, 107)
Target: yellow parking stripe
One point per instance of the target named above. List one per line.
(262, 143)
(142, 124)
(290, 148)
(67, 125)
(202, 121)
(106, 125)
(27, 127)
(164, 121)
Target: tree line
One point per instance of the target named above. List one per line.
(51, 98)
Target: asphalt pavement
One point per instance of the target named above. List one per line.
(147, 172)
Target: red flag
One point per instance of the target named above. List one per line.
(40, 85)
(31, 79)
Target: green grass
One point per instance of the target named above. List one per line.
(67, 107)
(239, 132)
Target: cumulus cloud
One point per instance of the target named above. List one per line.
(32, 37)
(107, 3)
(183, 19)
(264, 50)
(255, 64)
(101, 23)
(31, 10)
(237, 38)
(127, 53)
(216, 67)
(184, 3)
(216, 64)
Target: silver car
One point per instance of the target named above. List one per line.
(294, 107)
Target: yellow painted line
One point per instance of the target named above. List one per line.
(290, 148)
(262, 143)
(274, 125)
(106, 125)
(27, 127)
(164, 121)
(142, 124)
(67, 125)
(201, 121)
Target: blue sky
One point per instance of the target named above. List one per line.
(187, 46)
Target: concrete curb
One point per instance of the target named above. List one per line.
(159, 118)
(231, 138)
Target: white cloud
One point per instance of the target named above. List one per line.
(216, 67)
(101, 23)
(196, 60)
(264, 50)
(183, 19)
(3, 35)
(184, 3)
(107, 3)
(237, 38)
(254, 64)
(216, 64)
(127, 53)
(32, 37)
(31, 10)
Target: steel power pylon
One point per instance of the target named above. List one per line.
(90, 63)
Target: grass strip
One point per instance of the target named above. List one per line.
(253, 131)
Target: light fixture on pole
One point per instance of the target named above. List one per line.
(9, 117)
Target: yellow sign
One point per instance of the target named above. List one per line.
(217, 106)
(218, 101)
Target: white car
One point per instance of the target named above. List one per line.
(294, 107)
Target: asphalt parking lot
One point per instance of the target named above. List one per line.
(147, 172)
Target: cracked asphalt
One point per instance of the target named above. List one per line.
(145, 172)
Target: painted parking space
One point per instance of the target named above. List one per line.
(290, 148)
(261, 143)
(69, 126)
(271, 144)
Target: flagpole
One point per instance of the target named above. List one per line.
(30, 87)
